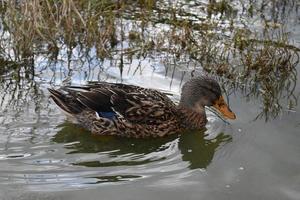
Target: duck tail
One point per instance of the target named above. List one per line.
(66, 102)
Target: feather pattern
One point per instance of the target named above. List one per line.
(125, 110)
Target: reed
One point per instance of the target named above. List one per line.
(216, 38)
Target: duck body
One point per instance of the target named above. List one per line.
(127, 110)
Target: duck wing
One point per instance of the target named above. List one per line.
(135, 104)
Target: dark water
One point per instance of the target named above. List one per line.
(42, 156)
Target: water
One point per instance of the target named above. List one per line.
(43, 156)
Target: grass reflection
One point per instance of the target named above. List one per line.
(17, 85)
(245, 42)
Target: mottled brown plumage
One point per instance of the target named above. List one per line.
(132, 111)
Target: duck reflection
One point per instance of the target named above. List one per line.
(193, 146)
(199, 151)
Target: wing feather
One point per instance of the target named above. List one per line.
(135, 104)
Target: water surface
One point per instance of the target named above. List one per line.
(256, 156)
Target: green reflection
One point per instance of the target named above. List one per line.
(116, 178)
(89, 143)
(198, 150)
(193, 147)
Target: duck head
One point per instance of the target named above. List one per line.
(203, 91)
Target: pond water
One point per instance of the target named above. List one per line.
(43, 156)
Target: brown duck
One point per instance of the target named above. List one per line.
(132, 111)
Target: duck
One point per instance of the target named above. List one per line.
(132, 111)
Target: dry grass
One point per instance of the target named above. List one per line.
(260, 62)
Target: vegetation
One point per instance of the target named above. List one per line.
(244, 42)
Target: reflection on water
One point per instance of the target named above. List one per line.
(252, 47)
(199, 151)
(246, 42)
(193, 146)
(74, 158)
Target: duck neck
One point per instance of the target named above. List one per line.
(192, 119)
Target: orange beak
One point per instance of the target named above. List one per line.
(223, 108)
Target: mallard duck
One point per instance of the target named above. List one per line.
(133, 111)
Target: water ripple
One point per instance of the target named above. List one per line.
(73, 158)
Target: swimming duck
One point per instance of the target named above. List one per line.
(133, 111)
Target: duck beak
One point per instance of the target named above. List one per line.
(223, 108)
